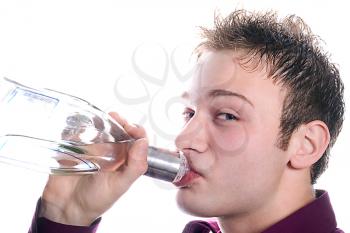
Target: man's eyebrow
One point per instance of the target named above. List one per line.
(222, 92)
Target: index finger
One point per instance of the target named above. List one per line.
(134, 131)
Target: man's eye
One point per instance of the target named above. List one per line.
(227, 116)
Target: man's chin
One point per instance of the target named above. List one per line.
(191, 205)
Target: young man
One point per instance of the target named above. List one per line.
(264, 108)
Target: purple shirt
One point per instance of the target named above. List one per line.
(315, 217)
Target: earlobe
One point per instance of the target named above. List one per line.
(312, 140)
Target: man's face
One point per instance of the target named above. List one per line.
(230, 136)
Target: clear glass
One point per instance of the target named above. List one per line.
(62, 134)
(45, 156)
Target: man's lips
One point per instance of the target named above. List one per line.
(187, 179)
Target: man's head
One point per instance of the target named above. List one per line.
(294, 59)
(265, 105)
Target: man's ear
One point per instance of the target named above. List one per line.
(309, 143)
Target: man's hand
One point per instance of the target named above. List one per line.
(79, 200)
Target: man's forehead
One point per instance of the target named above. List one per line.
(223, 69)
(222, 54)
(228, 64)
(238, 52)
(248, 60)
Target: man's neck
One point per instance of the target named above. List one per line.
(284, 203)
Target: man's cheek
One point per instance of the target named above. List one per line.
(231, 141)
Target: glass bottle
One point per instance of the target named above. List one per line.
(54, 132)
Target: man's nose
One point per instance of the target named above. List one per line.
(194, 135)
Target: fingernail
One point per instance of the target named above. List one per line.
(135, 125)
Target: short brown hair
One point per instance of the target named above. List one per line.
(296, 60)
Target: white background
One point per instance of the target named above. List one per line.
(87, 48)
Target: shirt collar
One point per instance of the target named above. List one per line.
(317, 216)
